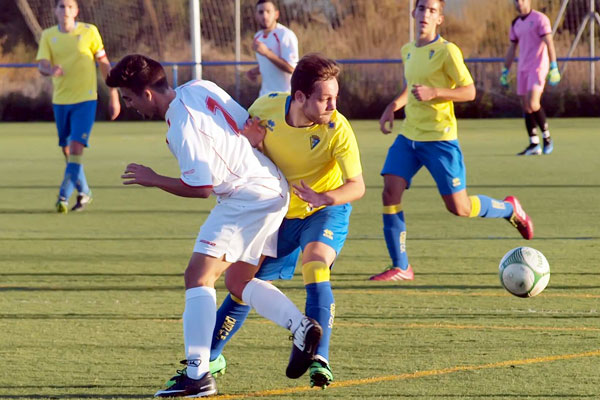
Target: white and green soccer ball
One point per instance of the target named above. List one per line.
(524, 272)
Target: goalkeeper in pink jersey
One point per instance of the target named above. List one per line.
(531, 31)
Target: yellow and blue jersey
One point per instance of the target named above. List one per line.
(439, 64)
(322, 155)
(76, 53)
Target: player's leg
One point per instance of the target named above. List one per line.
(82, 122)
(271, 303)
(233, 311)
(446, 163)
(524, 84)
(198, 324)
(534, 96)
(61, 117)
(323, 235)
(400, 166)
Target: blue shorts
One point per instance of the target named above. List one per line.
(329, 225)
(74, 121)
(443, 159)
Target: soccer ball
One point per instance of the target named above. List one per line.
(524, 272)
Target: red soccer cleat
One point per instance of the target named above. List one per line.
(519, 219)
(395, 274)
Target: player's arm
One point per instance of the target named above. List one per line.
(387, 117)
(279, 62)
(137, 174)
(114, 106)
(554, 74)
(510, 55)
(457, 94)
(508, 60)
(47, 69)
(352, 189)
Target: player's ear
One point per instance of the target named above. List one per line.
(276, 15)
(300, 97)
(148, 94)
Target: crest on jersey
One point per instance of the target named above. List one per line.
(431, 53)
(408, 56)
(270, 125)
(273, 95)
(331, 125)
(314, 141)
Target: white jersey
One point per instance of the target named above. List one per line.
(284, 43)
(204, 137)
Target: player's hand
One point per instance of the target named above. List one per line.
(314, 199)
(504, 78)
(554, 74)
(254, 131)
(114, 105)
(260, 47)
(137, 174)
(387, 118)
(253, 74)
(423, 93)
(57, 71)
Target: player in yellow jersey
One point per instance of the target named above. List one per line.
(436, 76)
(68, 53)
(315, 147)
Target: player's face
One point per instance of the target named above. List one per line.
(266, 15)
(143, 103)
(523, 6)
(66, 10)
(428, 16)
(321, 104)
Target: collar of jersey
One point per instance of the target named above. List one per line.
(427, 44)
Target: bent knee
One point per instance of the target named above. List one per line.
(460, 210)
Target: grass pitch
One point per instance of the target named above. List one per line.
(91, 302)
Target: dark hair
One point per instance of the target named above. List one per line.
(442, 5)
(137, 72)
(274, 2)
(312, 68)
(57, 1)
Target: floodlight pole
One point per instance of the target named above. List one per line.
(411, 22)
(196, 38)
(238, 47)
(592, 16)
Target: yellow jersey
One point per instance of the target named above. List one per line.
(322, 155)
(76, 53)
(439, 64)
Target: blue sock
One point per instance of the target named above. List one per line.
(394, 231)
(70, 177)
(81, 182)
(230, 318)
(486, 207)
(320, 304)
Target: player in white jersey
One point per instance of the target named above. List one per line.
(252, 199)
(276, 48)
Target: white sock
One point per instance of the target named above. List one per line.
(199, 318)
(272, 304)
(546, 134)
(534, 139)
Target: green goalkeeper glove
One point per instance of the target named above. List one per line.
(504, 78)
(554, 74)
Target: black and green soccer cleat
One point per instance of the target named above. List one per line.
(320, 374)
(183, 386)
(218, 366)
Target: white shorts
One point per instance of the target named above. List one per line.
(243, 227)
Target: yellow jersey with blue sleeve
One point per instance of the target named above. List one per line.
(76, 52)
(322, 155)
(439, 64)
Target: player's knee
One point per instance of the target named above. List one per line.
(459, 209)
(235, 286)
(390, 196)
(315, 272)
